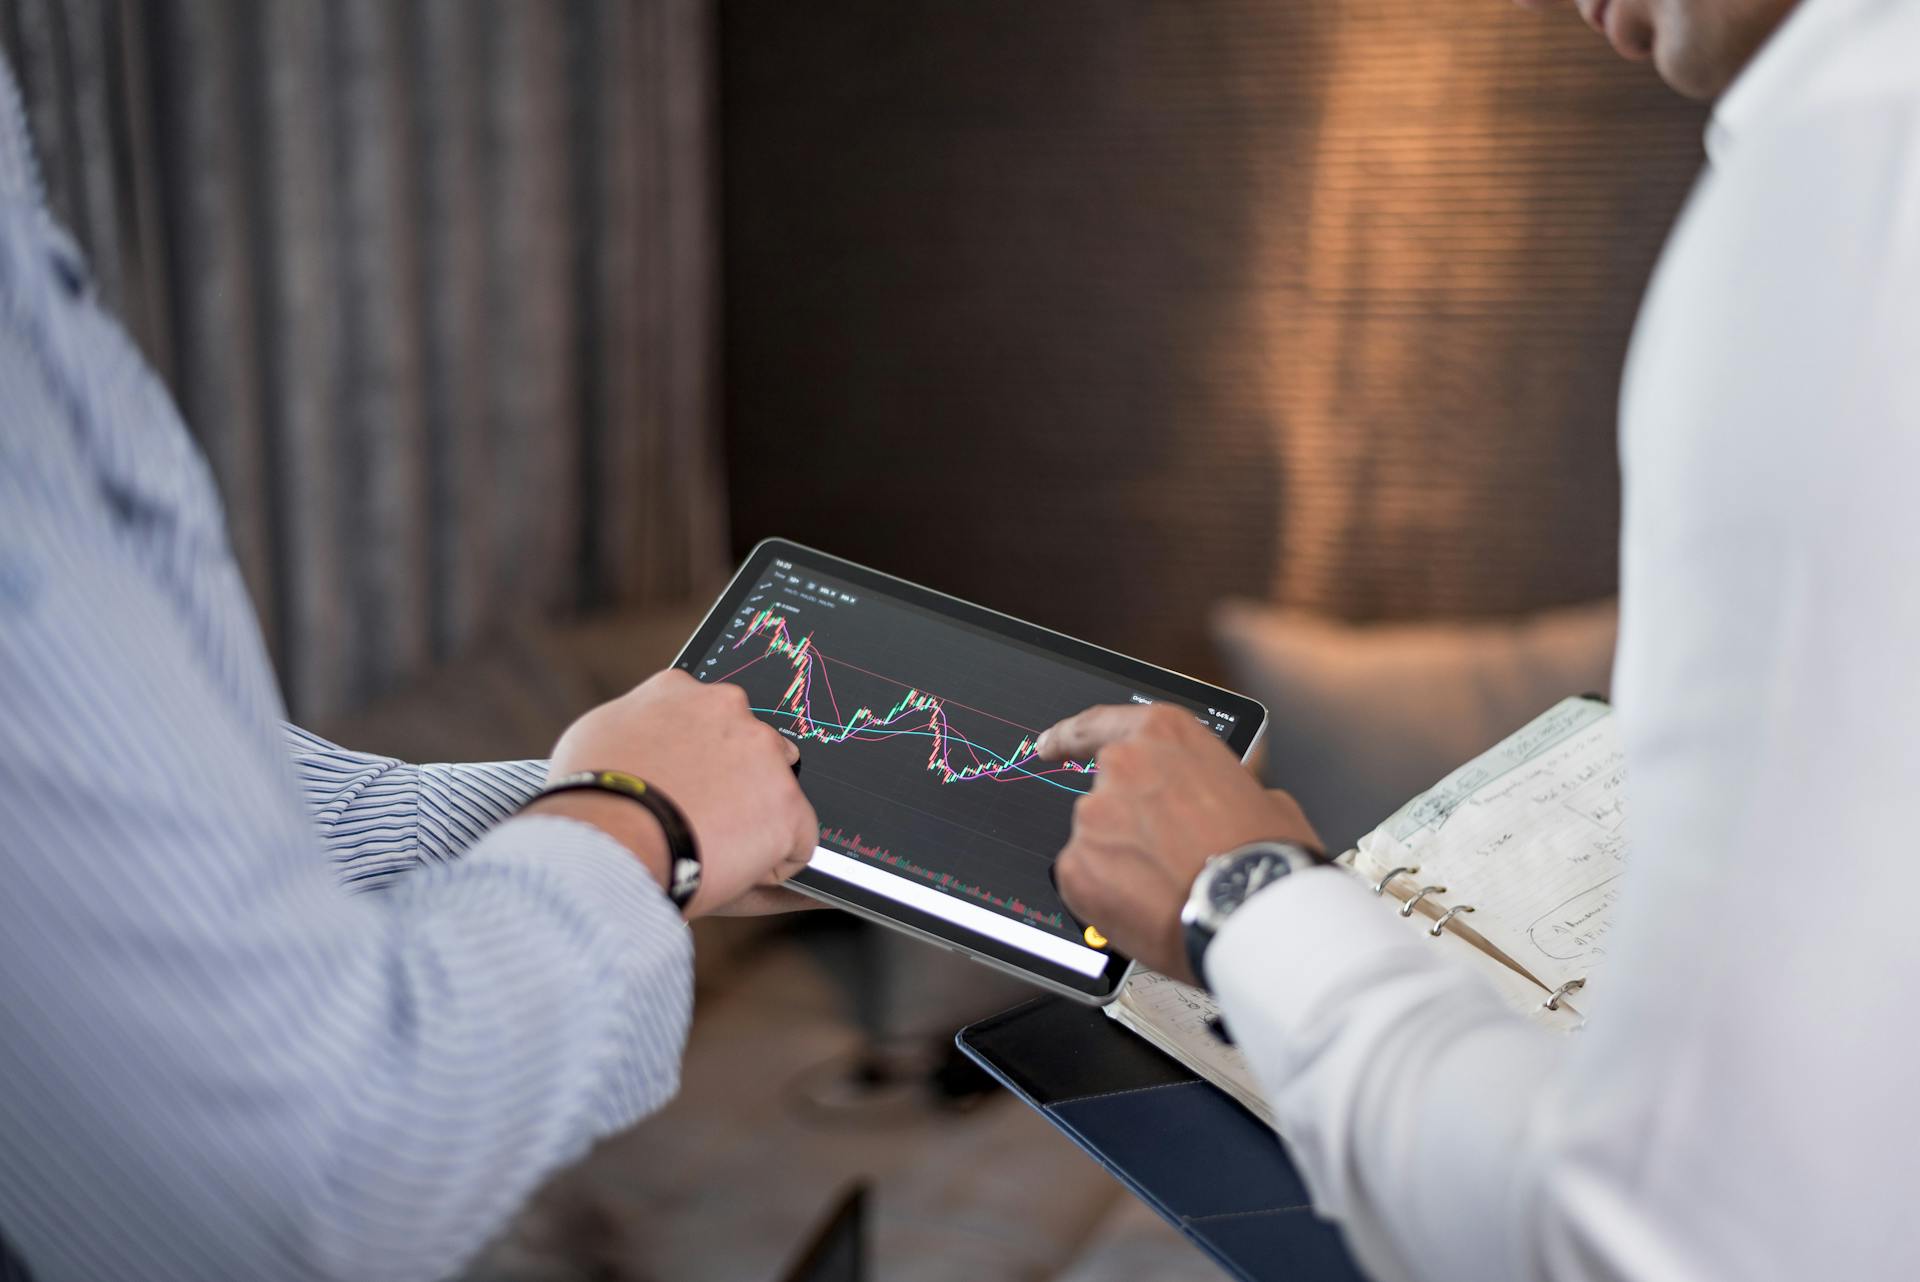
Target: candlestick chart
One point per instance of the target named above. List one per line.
(917, 737)
(813, 711)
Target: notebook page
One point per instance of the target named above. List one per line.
(1530, 834)
(1173, 1016)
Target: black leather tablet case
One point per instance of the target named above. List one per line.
(1199, 1159)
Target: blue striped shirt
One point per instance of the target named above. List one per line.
(215, 1060)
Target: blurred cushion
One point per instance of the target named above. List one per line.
(1362, 717)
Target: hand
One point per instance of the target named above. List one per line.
(730, 774)
(1167, 797)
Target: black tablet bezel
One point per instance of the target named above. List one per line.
(1248, 720)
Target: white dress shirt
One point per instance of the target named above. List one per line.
(1744, 1104)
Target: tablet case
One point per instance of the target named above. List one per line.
(1203, 1162)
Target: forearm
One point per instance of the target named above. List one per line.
(1405, 1088)
(245, 1074)
(223, 1067)
(548, 985)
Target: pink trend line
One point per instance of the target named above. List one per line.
(743, 667)
(955, 702)
(798, 698)
(781, 630)
(827, 679)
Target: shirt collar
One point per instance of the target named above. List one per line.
(1805, 61)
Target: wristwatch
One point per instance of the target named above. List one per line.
(1228, 881)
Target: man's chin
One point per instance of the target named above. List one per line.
(1691, 78)
(1689, 62)
(1702, 60)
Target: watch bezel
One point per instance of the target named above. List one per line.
(1201, 918)
(1200, 910)
(1292, 856)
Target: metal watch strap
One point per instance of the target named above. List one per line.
(683, 853)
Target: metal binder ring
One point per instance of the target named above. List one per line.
(1448, 916)
(1406, 909)
(1553, 1002)
(1380, 887)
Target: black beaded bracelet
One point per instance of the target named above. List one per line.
(683, 854)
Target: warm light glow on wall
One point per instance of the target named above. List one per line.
(1183, 299)
(1446, 305)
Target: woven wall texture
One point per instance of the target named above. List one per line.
(1097, 311)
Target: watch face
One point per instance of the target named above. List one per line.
(1241, 878)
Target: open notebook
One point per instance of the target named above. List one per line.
(1511, 865)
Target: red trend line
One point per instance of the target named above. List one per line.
(826, 679)
(743, 667)
(798, 698)
(955, 702)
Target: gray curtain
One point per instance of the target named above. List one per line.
(433, 282)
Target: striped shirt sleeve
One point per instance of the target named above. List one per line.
(379, 817)
(216, 1064)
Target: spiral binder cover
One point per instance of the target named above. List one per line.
(1511, 865)
(1525, 840)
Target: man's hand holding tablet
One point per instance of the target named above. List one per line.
(728, 773)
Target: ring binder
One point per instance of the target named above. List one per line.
(1406, 909)
(1380, 887)
(1553, 1002)
(1448, 916)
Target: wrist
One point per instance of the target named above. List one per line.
(1226, 882)
(630, 825)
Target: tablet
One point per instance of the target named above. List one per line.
(916, 714)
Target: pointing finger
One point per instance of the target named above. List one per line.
(1085, 733)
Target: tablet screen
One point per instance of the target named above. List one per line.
(916, 717)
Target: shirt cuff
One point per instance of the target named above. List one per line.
(1398, 1078)
(1291, 947)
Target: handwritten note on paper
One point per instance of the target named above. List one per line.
(1530, 834)
(1173, 1016)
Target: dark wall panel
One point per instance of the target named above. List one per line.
(1097, 311)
